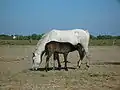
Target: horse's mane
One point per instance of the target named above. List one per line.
(40, 41)
(42, 38)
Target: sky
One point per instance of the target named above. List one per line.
(25, 17)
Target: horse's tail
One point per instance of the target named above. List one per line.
(42, 55)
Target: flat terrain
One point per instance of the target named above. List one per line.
(103, 74)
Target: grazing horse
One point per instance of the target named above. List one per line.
(55, 48)
(73, 36)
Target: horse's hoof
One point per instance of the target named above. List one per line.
(54, 69)
(59, 68)
(66, 69)
(68, 62)
(36, 69)
(88, 66)
(78, 66)
(46, 69)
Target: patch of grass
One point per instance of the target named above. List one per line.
(106, 42)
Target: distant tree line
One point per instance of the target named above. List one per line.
(21, 37)
(104, 37)
(38, 36)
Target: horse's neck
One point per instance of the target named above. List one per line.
(39, 49)
(41, 44)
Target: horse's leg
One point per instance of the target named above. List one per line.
(87, 56)
(81, 55)
(65, 58)
(79, 61)
(47, 63)
(88, 60)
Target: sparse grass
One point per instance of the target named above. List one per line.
(34, 42)
(18, 76)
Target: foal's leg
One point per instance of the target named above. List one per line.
(66, 61)
(58, 60)
(47, 61)
(59, 64)
(55, 58)
(65, 58)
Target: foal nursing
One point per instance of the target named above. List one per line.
(55, 48)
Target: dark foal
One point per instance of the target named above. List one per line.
(56, 48)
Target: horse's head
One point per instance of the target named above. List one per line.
(35, 61)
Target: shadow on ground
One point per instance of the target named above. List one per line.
(106, 63)
(51, 68)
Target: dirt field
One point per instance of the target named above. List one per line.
(103, 74)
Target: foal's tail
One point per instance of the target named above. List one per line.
(42, 55)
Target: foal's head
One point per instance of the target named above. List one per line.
(81, 50)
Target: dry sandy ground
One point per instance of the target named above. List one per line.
(103, 74)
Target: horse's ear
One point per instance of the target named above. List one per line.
(78, 44)
(33, 54)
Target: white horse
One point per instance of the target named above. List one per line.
(73, 36)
